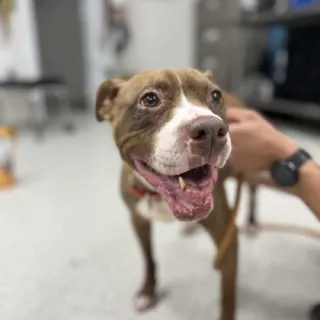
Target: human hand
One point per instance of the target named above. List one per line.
(256, 142)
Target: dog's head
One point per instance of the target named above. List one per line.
(169, 126)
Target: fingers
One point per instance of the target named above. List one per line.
(239, 131)
(238, 115)
(263, 178)
(259, 178)
(235, 127)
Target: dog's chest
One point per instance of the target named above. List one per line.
(154, 209)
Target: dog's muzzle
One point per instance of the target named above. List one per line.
(206, 135)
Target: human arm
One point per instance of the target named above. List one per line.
(308, 187)
(257, 144)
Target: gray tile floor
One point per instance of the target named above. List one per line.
(68, 253)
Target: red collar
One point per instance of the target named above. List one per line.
(142, 193)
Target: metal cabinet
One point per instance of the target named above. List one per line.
(222, 45)
(217, 38)
(218, 10)
(212, 49)
(209, 10)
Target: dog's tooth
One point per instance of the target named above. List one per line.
(182, 183)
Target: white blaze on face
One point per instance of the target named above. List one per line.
(225, 153)
(171, 156)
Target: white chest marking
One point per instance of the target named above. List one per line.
(154, 209)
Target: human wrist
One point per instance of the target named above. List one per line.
(306, 171)
(282, 147)
(307, 189)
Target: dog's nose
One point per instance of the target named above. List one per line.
(209, 132)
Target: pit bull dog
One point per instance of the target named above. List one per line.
(170, 129)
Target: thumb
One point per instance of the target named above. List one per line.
(233, 115)
(235, 127)
(237, 114)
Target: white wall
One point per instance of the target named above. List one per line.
(91, 16)
(163, 34)
(162, 38)
(21, 54)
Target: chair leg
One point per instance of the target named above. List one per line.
(38, 112)
(2, 107)
(65, 111)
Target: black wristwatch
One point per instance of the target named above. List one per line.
(286, 172)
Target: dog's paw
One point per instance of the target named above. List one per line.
(144, 302)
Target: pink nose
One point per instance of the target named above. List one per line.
(208, 133)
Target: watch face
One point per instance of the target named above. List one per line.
(285, 173)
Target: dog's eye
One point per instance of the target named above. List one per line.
(216, 96)
(150, 100)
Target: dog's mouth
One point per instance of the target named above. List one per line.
(188, 194)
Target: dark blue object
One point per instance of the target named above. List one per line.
(302, 3)
(277, 37)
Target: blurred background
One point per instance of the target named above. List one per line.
(67, 250)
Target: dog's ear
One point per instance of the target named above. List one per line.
(107, 92)
(209, 75)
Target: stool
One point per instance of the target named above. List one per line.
(36, 91)
(57, 88)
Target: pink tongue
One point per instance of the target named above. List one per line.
(192, 203)
(193, 196)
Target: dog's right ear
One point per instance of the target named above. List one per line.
(107, 92)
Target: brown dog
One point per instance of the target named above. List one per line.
(170, 129)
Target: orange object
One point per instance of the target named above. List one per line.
(7, 142)
(6, 8)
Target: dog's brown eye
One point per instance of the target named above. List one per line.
(150, 100)
(216, 96)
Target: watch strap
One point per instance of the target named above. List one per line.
(285, 172)
(299, 158)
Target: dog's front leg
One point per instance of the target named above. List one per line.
(146, 297)
(228, 277)
(229, 282)
(216, 225)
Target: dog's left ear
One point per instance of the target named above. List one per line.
(107, 92)
(209, 75)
